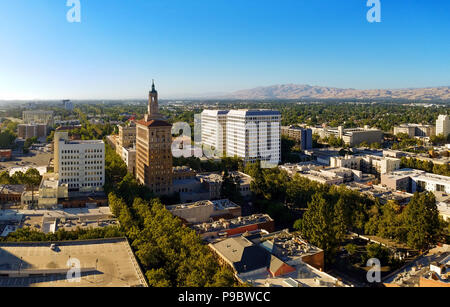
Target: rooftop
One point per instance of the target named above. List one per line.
(104, 263)
(218, 205)
(154, 123)
(12, 189)
(232, 223)
(288, 246)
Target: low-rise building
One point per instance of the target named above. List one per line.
(5, 155)
(275, 259)
(51, 191)
(28, 131)
(370, 164)
(412, 181)
(205, 211)
(320, 174)
(415, 130)
(195, 187)
(223, 229)
(11, 194)
(351, 136)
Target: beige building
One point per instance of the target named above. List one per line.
(153, 149)
(413, 130)
(205, 211)
(351, 136)
(27, 131)
(127, 135)
(129, 157)
(368, 163)
(38, 117)
(50, 191)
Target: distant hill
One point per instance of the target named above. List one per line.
(295, 91)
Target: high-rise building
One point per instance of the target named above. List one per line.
(80, 164)
(153, 149)
(214, 129)
(68, 105)
(38, 117)
(249, 134)
(443, 125)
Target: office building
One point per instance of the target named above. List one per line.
(443, 125)
(68, 105)
(249, 134)
(38, 117)
(80, 164)
(214, 129)
(153, 149)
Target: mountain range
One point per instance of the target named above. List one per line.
(298, 91)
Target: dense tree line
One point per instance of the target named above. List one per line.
(171, 254)
(226, 163)
(31, 177)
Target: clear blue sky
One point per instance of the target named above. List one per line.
(202, 46)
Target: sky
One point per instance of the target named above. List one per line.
(192, 47)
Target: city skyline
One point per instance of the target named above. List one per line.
(199, 48)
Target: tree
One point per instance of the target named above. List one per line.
(422, 220)
(317, 225)
(230, 187)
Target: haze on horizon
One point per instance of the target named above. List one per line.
(207, 48)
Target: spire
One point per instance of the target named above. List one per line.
(153, 86)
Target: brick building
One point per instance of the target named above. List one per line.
(153, 149)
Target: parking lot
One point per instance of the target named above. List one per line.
(36, 159)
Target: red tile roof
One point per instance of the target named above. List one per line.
(154, 123)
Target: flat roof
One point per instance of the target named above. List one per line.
(116, 266)
(232, 223)
(218, 205)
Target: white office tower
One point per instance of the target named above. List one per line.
(249, 134)
(214, 123)
(443, 125)
(80, 164)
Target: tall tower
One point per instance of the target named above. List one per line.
(154, 149)
(153, 108)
